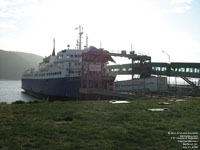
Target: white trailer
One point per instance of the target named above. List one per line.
(152, 84)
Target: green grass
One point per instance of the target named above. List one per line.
(96, 125)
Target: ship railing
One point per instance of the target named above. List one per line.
(29, 71)
(44, 69)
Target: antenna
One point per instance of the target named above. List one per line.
(86, 41)
(80, 34)
(76, 44)
(131, 47)
(53, 53)
(100, 44)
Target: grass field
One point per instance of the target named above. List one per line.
(96, 125)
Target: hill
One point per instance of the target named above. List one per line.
(13, 64)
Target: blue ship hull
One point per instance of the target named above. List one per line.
(58, 87)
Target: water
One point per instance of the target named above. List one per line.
(10, 91)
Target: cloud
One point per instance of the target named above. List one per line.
(8, 3)
(12, 12)
(181, 1)
(181, 9)
(180, 6)
(8, 25)
(12, 8)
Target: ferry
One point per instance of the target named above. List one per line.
(65, 73)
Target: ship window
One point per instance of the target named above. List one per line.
(68, 56)
(196, 70)
(75, 55)
(60, 57)
(71, 56)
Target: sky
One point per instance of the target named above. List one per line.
(150, 26)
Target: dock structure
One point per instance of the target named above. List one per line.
(138, 64)
(142, 65)
(174, 69)
(97, 79)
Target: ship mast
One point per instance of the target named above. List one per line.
(80, 34)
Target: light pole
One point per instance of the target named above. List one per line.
(169, 64)
(167, 55)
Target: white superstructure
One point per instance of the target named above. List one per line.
(67, 63)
